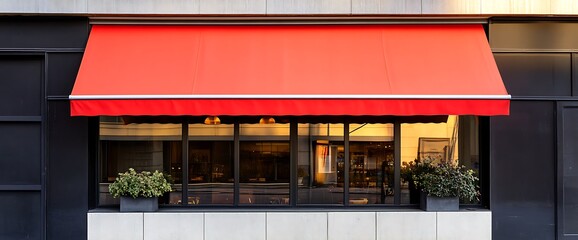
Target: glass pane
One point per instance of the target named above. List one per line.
(264, 164)
(455, 140)
(321, 164)
(371, 179)
(144, 147)
(211, 179)
(211, 172)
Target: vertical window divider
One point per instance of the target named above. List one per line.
(294, 160)
(347, 163)
(397, 162)
(236, 167)
(185, 162)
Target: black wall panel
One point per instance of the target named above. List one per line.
(568, 170)
(21, 80)
(20, 215)
(31, 32)
(62, 70)
(534, 35)
(523, 179)
(67, 193)
(20, 153)
(536, 74)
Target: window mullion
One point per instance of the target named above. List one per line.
(185, 162)
(397, 162)
(236, 167)
(347, 163)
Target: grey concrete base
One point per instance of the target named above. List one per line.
(411, 224)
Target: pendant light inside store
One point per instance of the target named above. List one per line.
(212, 120)
(267, 120)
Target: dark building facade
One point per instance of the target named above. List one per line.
(49, 167)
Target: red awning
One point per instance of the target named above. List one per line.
(288, 70)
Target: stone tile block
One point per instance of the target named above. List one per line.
(174, 226)
(240, 226)
(19, 6)
(233, 7)
(386, 7)
(63, 6)
(564, 7)
(451, 7)
(308, 6)
(351, 225)
(144, 6)
(296, 225)
(464, 225)
(516, 7)
(114, 226)
(406, 225)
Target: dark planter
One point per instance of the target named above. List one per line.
(432, 204)
(139, 204)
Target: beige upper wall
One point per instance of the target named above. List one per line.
(299, 7)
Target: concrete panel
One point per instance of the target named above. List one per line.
(233, 6)
(464, 225)
(308, 6)
(303, 226)
(351, 225)
(515, 6)
(19, 6)
(386, 7)
(114, 226)
(564, 7)
(451, 7)
(63, 6)
(241, 226)
(144, 6)
(174, 226)
(406, 225)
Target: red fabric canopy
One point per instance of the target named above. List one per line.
(288, 70)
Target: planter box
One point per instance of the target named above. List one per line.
(140, 204)
(431, 203)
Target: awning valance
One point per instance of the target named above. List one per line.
(288, 70)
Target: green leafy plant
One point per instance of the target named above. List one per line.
(448, 180)
(143, 184)
(413, 171)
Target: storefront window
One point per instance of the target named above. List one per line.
(144, 147)
(337, 164)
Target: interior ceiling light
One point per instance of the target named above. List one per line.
(266, 120)
(212, 120)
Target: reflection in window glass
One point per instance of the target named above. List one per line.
(211, 178)
(321, 164)
(435, 143)
(144, 147)
(264, 164)
(264, 172)
(371, 179)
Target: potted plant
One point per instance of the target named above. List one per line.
(444, 185)
(301, 173)
(411, 173)
(139, 192)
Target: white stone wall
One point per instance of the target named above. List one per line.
(283, 7)
(408, 225)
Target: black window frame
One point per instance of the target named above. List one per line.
(484, 161)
